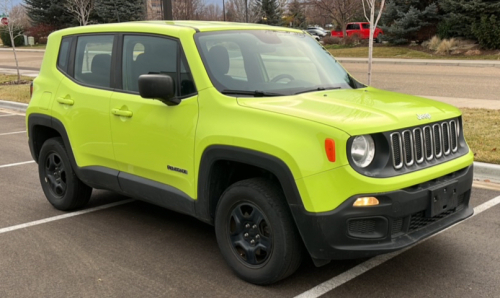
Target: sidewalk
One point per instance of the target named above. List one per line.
(466, 63)
(22, 50)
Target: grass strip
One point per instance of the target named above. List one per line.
(481, 129)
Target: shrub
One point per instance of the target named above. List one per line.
(40, 32)
(434, 43)
(487, 32)
(4, 35)
(351, 40)
(444, 47)
(331, 40)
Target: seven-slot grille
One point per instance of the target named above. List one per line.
(424, 143)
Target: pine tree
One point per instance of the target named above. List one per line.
(114, 11)
(461, 15)
(269, 12)
(49, 12)
(402, 19)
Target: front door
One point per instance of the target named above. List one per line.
(150, 139)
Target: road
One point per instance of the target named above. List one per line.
(135, 249)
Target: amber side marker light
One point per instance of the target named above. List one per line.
(366, 201)
(330, 149)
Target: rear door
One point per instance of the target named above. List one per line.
(82, 99)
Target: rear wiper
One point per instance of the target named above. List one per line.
(318, 89)
(255, 93)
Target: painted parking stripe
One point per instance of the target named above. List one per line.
(354, 272)
(16, 164)
(63, 216)
(11, 133)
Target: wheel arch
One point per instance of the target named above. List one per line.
(214, 177)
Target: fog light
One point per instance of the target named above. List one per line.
(366, 201)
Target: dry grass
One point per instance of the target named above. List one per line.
(444, 47)
(18, 93)
(434, 43)
(481, 128)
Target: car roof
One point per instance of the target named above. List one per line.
(197, 26)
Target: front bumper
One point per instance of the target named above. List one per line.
(402, 218)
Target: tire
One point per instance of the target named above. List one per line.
(256, 210)
(59, 182)
(379, 38)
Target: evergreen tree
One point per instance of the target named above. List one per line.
(114, 11)
(461, 15)
(402, 19)
(49, 12)
(269, 12)
(296, 14)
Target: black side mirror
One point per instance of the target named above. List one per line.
(158, 86)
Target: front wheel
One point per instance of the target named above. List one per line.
(256, 233)
(59, 182)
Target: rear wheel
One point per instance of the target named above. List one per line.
(256, 233)
(59, 182)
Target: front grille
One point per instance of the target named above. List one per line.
(426, 143)
(418, 220)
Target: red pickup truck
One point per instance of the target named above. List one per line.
(361, 29)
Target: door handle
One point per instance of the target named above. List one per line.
(65, 101)
(122, 113)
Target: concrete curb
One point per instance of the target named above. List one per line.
(16, 106)
(22, 50)
(487, 171)
(482, 171)
(464, 63)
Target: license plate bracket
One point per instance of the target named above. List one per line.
(442, 198)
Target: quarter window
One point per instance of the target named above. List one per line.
(93, 60)
(62, 61)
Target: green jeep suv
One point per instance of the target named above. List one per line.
(254, 129)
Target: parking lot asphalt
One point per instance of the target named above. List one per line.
(140, 250)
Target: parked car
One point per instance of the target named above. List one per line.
(317, 33)
(254, 129)
(361, 30)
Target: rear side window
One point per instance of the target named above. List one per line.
(353, 27)
(93, 60)
(154, 55)
(366, 26)
(64, 51)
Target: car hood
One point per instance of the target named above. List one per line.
(357, 112)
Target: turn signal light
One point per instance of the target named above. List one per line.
(366, 201)
(330, 149)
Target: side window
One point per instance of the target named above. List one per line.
(355, 26)
(366, 26)
(147, 55)
(93, 60)
(62, 61)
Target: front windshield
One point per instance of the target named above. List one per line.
(265, 62)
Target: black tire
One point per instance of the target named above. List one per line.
(59, 182)
(256, 209)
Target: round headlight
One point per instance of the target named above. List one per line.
(363, 151)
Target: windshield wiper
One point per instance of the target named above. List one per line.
(255, 93)
(318, 89)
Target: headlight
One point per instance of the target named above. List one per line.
(363, 151)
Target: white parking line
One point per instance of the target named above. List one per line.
(16, 164)
(63, 216)
(354, 272)
(11, 133)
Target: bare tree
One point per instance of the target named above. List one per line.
(13, 27)
(187, 9)
(212, 12)
(372, 5)
(341, 11)
(80, 8)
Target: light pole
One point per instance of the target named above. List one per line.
(167, 9)
(224, 10)
(246, 11)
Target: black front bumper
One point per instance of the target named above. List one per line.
(401, 219)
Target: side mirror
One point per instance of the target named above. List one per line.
(158, 86)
